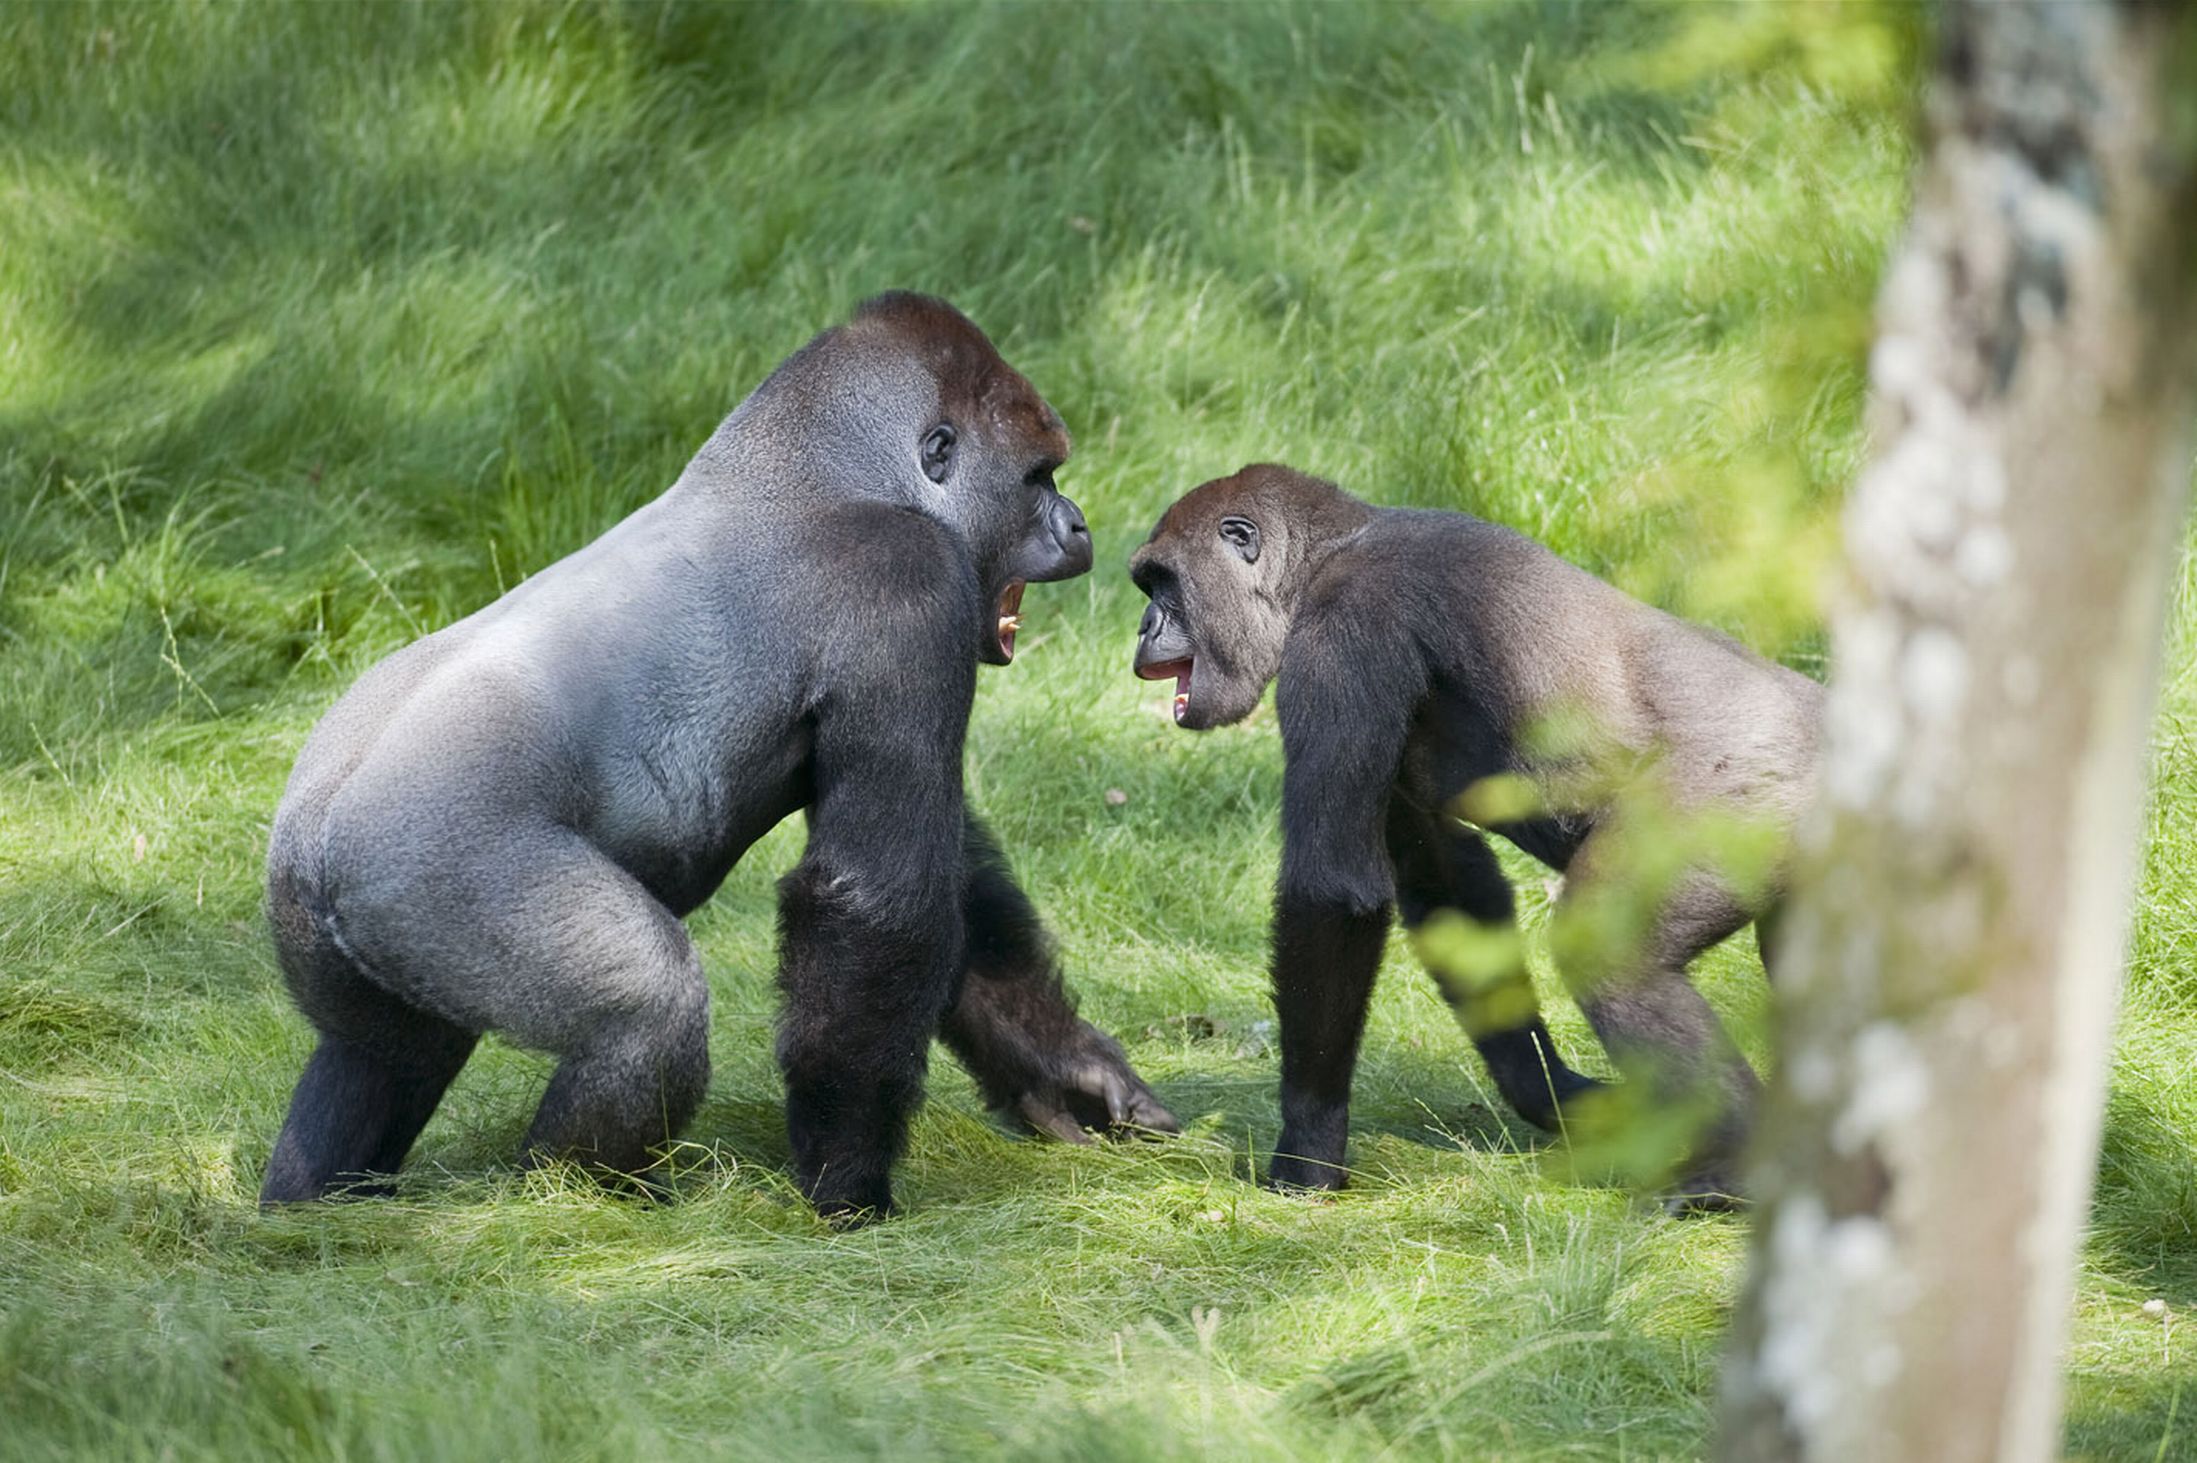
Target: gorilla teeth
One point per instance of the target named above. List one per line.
(1009, 610)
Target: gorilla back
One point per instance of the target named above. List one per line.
(499, 827)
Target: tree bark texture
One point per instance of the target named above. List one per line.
(1952, 955)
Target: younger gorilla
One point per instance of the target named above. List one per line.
(1417, 654)
(500, 826)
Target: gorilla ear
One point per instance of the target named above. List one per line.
(938, 452)
(1243, 536)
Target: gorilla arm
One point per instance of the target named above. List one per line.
(1014, 1025)
(1332, 907)
(870, 950)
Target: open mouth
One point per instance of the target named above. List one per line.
(1010, 618)
(1180, 670)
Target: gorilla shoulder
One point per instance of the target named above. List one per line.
(887, 580)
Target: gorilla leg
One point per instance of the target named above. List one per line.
(1440, 864)
(633, 1085)
(631, 1027)
(370, 1086)
(1629, 976)
(373, 1081)
(563, 951)
(871, 935)
(1014, 1026)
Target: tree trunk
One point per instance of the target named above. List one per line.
(1952, 955)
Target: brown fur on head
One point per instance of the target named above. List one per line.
(974, 380)
(1224, 570)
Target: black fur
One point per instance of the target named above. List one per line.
(1415, 651)
(501, 826)
(1015, 1027)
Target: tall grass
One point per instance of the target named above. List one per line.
(320, 325)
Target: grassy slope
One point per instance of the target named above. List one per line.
(317, 326)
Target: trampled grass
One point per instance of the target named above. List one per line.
(318, 325)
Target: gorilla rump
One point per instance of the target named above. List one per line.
(500, 826)
(1419, 653)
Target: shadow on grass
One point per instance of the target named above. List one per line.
(2145, 1210)
(2123, 1417)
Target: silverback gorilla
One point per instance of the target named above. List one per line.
(500, 826)
(1416, 651)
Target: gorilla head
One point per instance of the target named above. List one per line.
(970, 443)
(1222, 570)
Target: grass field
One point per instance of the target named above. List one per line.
(319, 325)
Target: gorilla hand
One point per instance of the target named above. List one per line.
(1014, 1025)
(1091, 1086)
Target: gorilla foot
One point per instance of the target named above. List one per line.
(850, 1206)
(1530, 1075)
(338, 1189)
(647, 1185)
(1095, 1090)
(1289, 1174)
(1550, 1107)
(843, 1214)
(1711, 1191)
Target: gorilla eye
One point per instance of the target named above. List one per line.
(1243, 536)
(938, 453)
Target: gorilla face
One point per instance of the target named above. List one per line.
(1021, 529)
(1217, 619)
(983, 458)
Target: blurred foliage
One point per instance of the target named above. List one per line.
(1762, 510)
